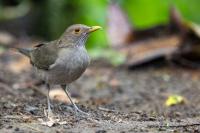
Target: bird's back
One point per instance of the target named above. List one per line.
(44, 55)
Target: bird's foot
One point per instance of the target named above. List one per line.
(79, 112)
(49, 114)
(83, 115)
(51, 119)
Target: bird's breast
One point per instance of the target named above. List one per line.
(70, 65)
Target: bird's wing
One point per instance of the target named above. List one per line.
(44, 55)
(39, 45)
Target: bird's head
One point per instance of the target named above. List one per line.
(77, 34)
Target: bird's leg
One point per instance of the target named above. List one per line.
(77, 110)
(49, 111)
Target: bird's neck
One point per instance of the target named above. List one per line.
(71, 41)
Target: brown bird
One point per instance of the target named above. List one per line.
(62, 61)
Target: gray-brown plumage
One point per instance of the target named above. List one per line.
(62, 61)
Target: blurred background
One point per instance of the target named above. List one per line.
(118, 86)
(47, 19)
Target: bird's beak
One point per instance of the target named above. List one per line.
(94, 28)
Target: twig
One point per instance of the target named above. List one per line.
(18, 117)
(8, 88)
(106, 109)
(39, 90)
(12, 117)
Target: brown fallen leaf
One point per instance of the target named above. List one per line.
(52, 122)
(172, 41)
(147, 50)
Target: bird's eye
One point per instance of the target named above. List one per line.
(77, 31)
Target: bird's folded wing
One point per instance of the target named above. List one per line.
(44, 55)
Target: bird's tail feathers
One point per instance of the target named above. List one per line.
(24, 51)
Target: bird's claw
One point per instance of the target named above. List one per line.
(49, 114)
(79, 112)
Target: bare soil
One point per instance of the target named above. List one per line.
(118, 100)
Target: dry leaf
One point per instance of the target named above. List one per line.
(145, 51)
(119, 29)
(52, 122)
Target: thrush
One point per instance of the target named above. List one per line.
(62, 61)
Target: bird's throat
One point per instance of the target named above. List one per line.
(82, 40)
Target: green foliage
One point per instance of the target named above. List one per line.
(148, 13)
(55, 15)
(141, 13)
(65, 12)
(93, 12)
(189, 9)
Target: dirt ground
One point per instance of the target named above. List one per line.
(117, 99)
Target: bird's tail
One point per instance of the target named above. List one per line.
(23, 51)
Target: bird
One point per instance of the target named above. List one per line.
(62, 61)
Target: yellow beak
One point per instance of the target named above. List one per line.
(94, 28)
